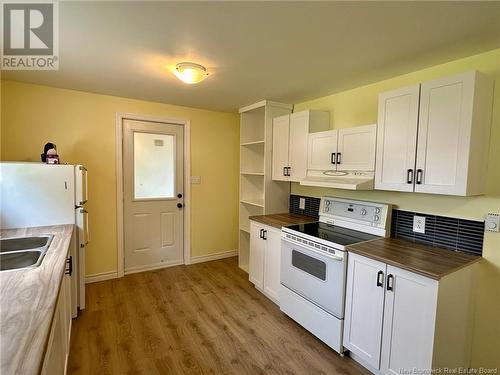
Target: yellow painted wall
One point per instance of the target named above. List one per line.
(359, 106)
(82, 125)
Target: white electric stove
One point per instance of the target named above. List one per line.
(314, 263)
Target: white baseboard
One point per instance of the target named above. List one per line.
(196, 259)
(216, 256)
(101, 277)
(152, 267)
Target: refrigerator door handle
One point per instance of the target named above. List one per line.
(85, 225)
(82, 186)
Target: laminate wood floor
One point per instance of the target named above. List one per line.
(201, 319)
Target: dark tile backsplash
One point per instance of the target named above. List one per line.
(440, 231)
(311, 208)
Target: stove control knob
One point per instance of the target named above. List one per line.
(363, 211)
(377, 210)
(376, 218)
(326, 209)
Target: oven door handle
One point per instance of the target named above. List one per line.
(322, 253)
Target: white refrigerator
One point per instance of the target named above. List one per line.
(39, 194)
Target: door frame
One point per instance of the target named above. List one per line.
(120, 117)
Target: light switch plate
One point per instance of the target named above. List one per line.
(302, 203)
(492, 222)
(195, 179)
(419, 224)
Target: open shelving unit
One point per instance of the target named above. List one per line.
(259, 195)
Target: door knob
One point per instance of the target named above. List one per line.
(179, 205)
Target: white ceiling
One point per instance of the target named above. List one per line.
(284, 51)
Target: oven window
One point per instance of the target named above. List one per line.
(312, 266)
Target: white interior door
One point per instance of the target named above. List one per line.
(397, 139)
(281, 126)
(322, 150)
(153, 157)
(444, 135)
(356, 148)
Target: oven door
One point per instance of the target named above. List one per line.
(315, 275)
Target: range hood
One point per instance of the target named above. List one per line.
(340, 180)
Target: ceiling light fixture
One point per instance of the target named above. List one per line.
(190, 73)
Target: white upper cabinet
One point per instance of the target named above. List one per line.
(290, 143)
(453, 135)
(281, 136)
(452, 117)
(322, 150)
(356, 148)
(397, 136)
(348, 149)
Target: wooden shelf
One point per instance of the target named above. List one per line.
(252, 173)
(252, 143)
(254, 202)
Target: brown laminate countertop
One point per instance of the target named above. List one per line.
(283, 220)
(28, 299)
(425, 260)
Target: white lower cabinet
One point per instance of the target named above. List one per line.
(265, 256)
(364, 309)
(409, 321)
(397, 320)
(56, 356)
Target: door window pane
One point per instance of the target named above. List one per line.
(154, 169)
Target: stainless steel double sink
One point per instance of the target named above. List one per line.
(23, 252)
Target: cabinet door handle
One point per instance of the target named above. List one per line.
(69, 262)
(409, 176)
(420, 172)
(261, 235)
(390, 282)
(332, 158)
(284, 171)
(339, 157)
(264, 235)
(380, 279)
(288, 169)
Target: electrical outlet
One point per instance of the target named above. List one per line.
(419, 224)
(302, 203)
(492, 222)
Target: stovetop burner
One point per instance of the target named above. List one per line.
(335, 234)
